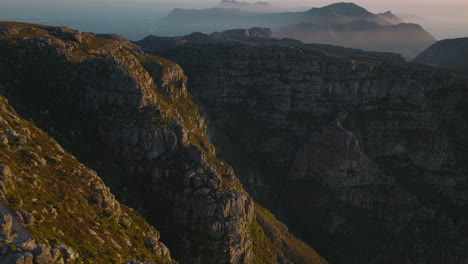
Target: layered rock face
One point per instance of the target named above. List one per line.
(128, 115)
(365, 160)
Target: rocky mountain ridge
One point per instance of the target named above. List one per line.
(128, 115)
(366, 159)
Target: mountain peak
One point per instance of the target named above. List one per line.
(346, 9)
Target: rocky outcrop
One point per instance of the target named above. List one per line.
(366, 160)
(7, 232)
(127, 114)
(29, 252)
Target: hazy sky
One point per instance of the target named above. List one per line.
(444, 19)
(414, 6)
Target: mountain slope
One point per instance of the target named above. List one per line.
(391, 18)
(364, 158)
(448, 53)
(346, 12)
(62, 202)
(127, 114)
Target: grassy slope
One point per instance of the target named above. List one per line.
(272, 240)
(65, 186)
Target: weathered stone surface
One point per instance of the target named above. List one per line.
(25, 217)
(7, 231)
(42, 255)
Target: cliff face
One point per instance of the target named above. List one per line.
(127, 114)
(365, 161)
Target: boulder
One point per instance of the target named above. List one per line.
(5, 172)
(7, 231)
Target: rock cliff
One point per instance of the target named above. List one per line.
(128, 115)
(365, 159)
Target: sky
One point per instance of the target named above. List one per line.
(443, 19)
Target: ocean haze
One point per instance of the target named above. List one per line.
(136, 19)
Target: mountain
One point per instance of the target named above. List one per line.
(260, 37)
(346, 12)
(220, 19)
(127, 115)
(448, 53)
(342, 24)
(391, 18)
(406, 39)
(362, 154)
(252, 7)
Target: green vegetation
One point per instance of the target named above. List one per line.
(272, 240)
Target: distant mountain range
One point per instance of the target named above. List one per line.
(345, 24)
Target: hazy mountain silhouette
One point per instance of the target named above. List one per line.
(406, 39)
(390, 17)
(447, 53)
(344, 24)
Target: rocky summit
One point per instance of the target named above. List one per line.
(83, 111)
(362, 154)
